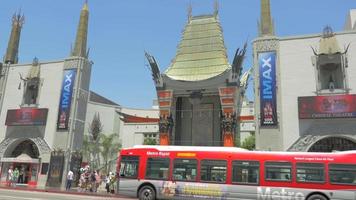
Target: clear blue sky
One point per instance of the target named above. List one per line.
(120, 31)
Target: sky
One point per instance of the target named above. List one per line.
(121, 30)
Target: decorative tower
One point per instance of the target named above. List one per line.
(199, 92)
(265, 26)
(11, 56)
(266, 74)
(80, 46)
(75, 86)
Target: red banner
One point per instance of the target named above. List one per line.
(27, 117)
(320, 107)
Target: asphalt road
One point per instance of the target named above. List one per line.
(6, 194)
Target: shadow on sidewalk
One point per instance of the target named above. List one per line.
(74, 191)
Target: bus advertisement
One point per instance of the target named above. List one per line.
(224, 173)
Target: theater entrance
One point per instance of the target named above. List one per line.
(330, 144)
(23, 160)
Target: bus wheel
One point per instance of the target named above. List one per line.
(147, 193)
(317, 197)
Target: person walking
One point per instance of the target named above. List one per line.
(97, 180)
(92, 180)
(69, 180)
(10, 176)
(107, 183)
(15, 176)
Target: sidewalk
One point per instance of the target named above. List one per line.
(73, 191)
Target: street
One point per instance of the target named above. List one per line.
(6, 194)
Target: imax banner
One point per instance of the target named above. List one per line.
(65, 99)
(267, 73)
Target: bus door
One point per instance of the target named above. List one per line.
(128, 174)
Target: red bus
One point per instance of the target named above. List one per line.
(182, 172)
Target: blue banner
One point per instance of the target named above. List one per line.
(267, 73)
(65, 99)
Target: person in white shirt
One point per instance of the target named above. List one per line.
(10, 176)
(69, 179)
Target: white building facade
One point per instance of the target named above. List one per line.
(42, 111)
(305, 89)
(247, 120)
(138, 124)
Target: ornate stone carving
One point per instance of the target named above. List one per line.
(4, 144)
(166, 124)
(41, 144)
(71, 63)
(228, 122)
(266, 45)
(304, 142)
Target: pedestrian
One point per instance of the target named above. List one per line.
(97, 180)
(69, 179)
(10, 174)
(107, 183)
(112, 183)
(93, 181)
(15, 176)
(21, 175)
(82, 184)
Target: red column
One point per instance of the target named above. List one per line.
(164, 139)
(165, 119)
(228, 139)
(228, 109)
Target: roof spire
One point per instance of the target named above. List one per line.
(216, 8)
(189, 11)
(266, 24)
(14, 41)
(80, 46)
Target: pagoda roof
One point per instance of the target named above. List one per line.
(127, 118)
(201, 53)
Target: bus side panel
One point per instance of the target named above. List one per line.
(242, 192)
(128, 187)
(202, 191)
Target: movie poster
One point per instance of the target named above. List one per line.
(267, 74)
(26, 117)
(321, 107)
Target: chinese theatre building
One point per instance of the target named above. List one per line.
(199, 93)
(305, 87)
(43, 107)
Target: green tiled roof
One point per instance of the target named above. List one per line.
(201, 53)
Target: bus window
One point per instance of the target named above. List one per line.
(185, 169)
(310, 172)
(129, 166)
(245, 172)
(213, 171)
(157, 168)
(278, 171)
(342, 174)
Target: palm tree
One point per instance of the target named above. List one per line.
(87, 147)
(150, 141)
(109, 149)
(249, 143)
